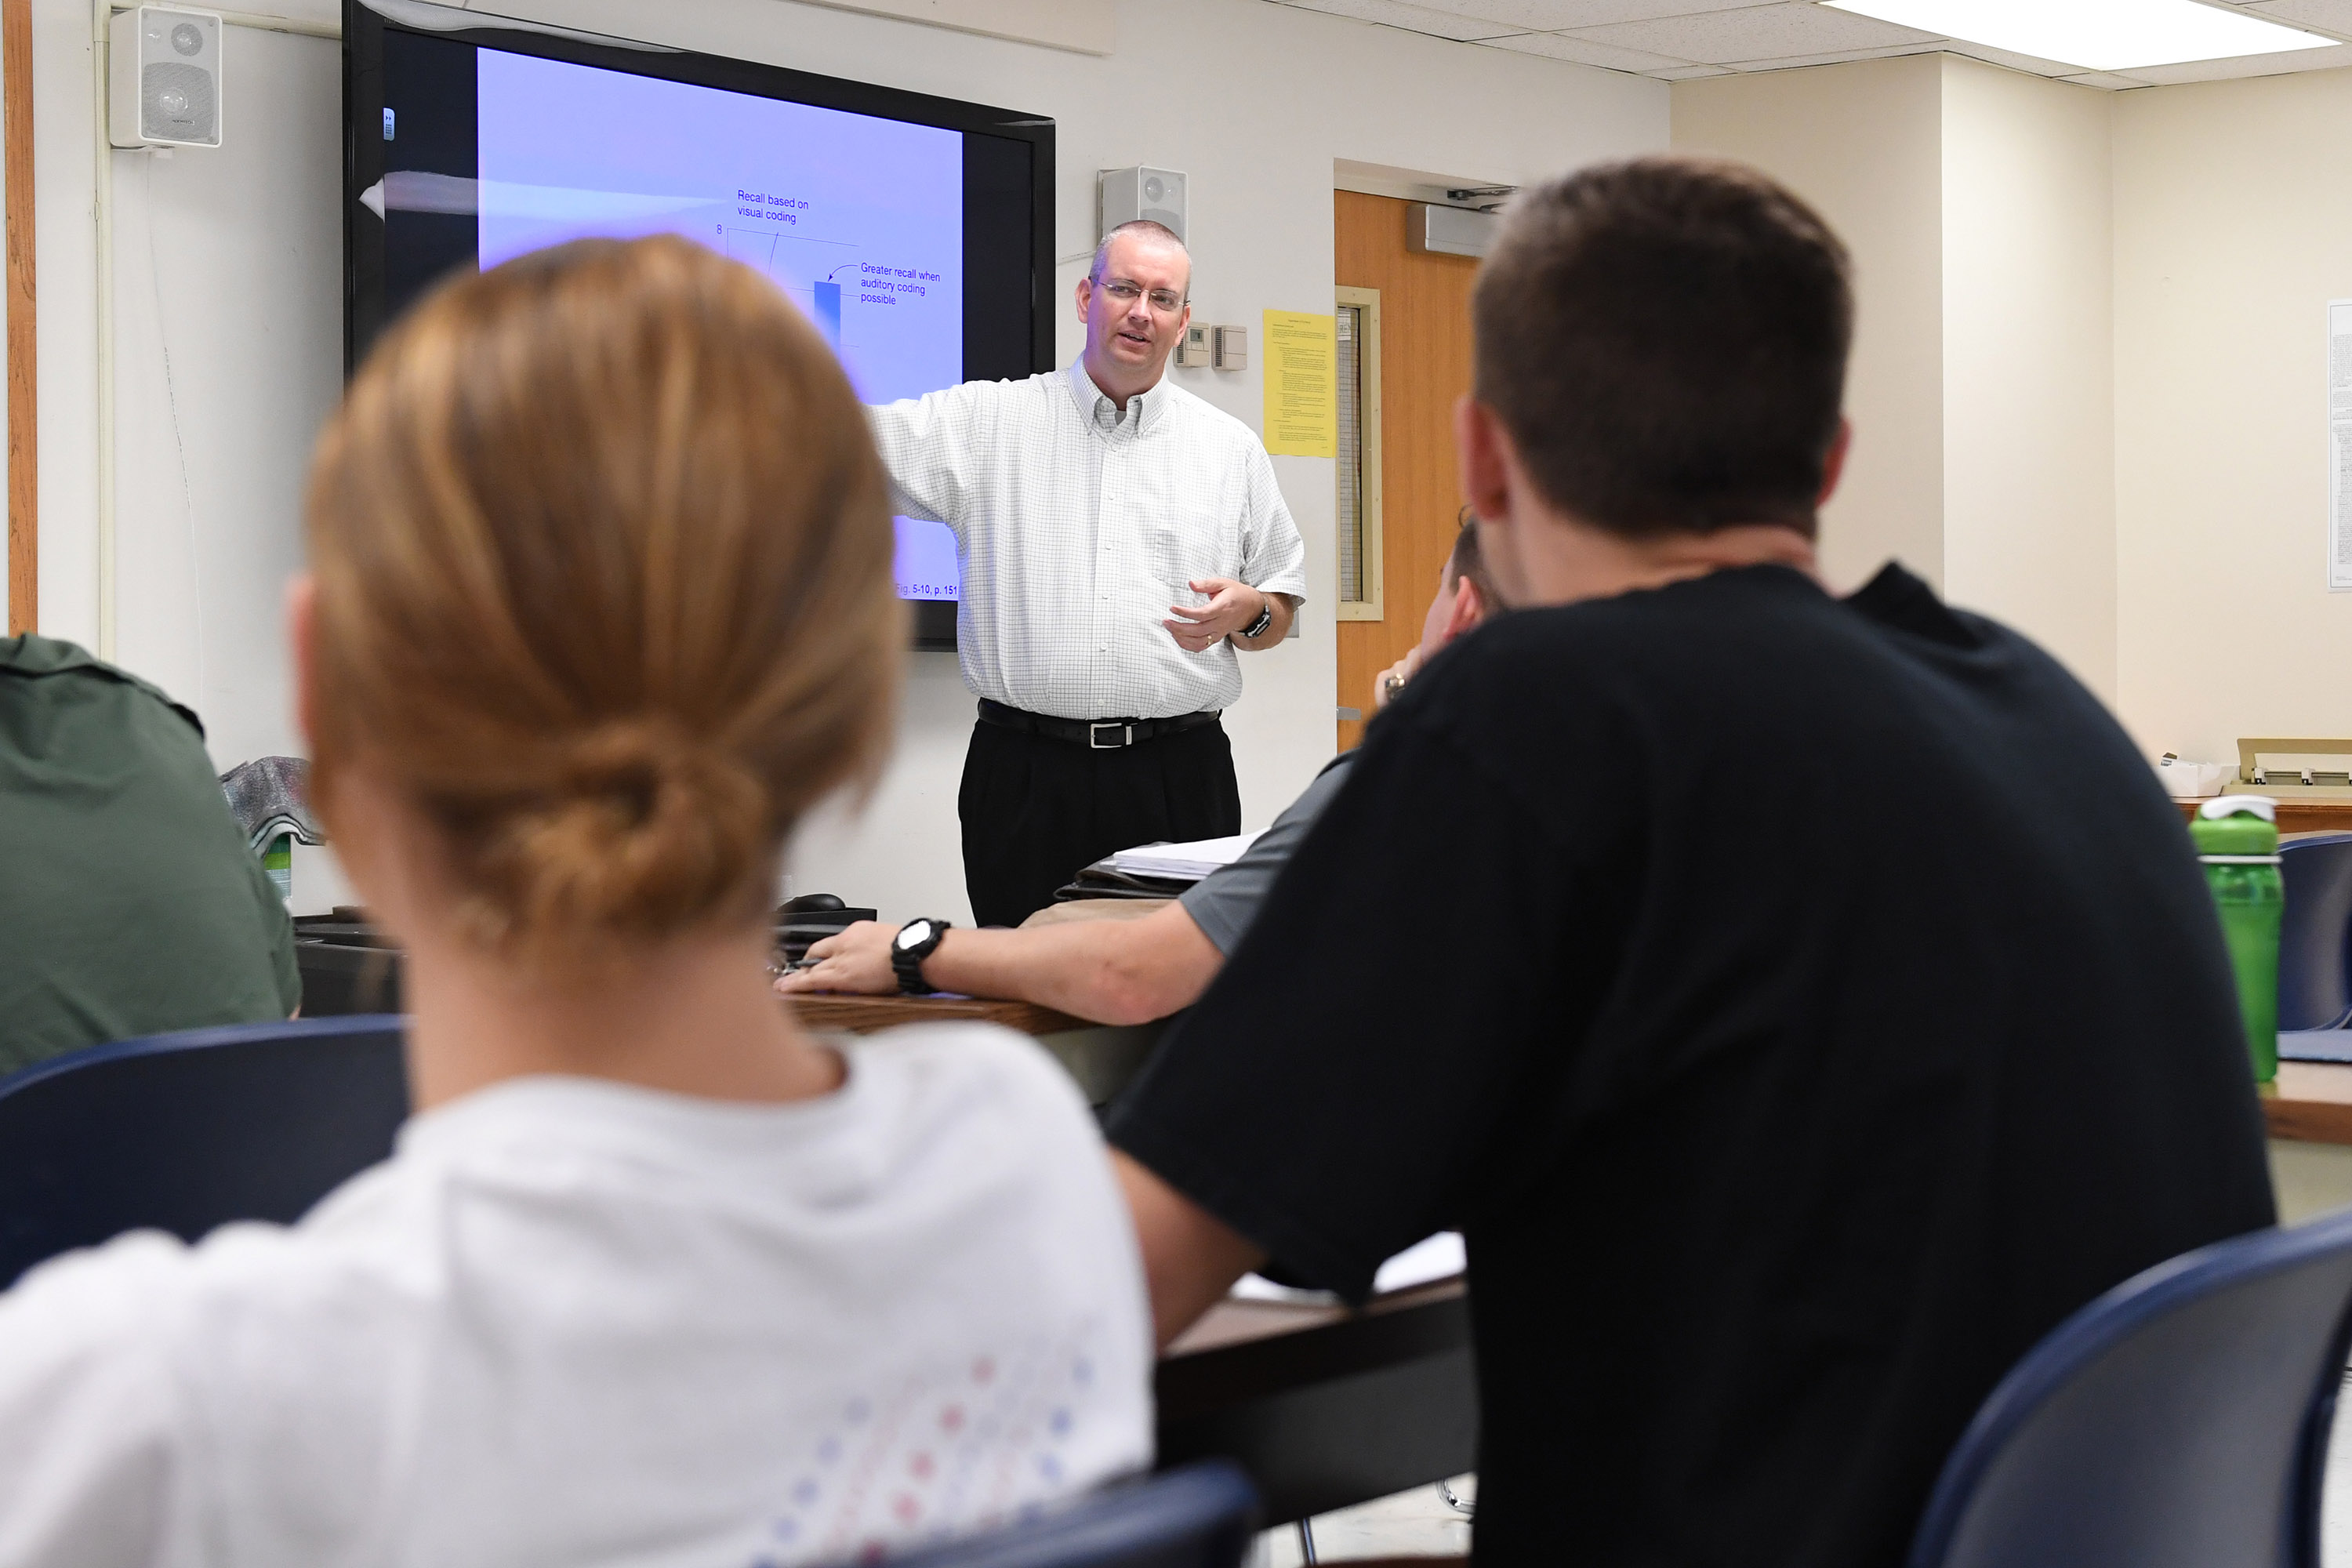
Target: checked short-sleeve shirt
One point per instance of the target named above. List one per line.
(1077, 526)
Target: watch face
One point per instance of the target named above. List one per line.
(912, 936)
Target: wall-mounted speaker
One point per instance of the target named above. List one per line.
(1140, 192)
(164, 78)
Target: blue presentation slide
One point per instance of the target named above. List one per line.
(858, 220)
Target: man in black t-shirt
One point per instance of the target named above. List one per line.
(1827, 1003)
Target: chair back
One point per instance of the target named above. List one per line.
(1200, 1516)
(2316, 933)
(184, 1131)
(2179, 1421)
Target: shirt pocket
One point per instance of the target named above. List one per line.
(1173, 556)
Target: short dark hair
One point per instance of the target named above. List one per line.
(1665, 341)
(1466, 560)
(1144, 227)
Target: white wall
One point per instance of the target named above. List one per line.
(1861, 143)
(244, 289)
(1974, 201)
(2233, 226)
(2029, 361)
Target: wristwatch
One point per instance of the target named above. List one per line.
(916, 941)
(1258, 628)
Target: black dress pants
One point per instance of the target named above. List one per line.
(1037, 810)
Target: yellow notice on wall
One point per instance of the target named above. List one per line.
(1302, 385)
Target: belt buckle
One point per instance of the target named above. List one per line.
(1126, 738)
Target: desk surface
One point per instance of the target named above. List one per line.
(2297, 816)
(864, 1014)
(1326, 1407)
(2312, 1103)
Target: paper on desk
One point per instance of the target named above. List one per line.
(1439, 1257)
(1182, 862)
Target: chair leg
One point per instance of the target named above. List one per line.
(1306, 1541)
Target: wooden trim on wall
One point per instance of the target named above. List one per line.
(24, 493)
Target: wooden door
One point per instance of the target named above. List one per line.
(1424, 365)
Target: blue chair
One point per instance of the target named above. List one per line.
(183, 1132)
(2179, 1421)
(2315, 935)
(1200, 1516)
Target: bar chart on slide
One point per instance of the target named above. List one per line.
(858, 220)
(812, 271)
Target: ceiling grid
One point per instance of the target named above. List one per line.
(1675, 39)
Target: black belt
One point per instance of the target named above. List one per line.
(1100, 735)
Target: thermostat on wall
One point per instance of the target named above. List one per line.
(1199, 346)
(1232, 348)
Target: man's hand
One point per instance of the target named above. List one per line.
(1390, 681)
(858, 960)
(1233, 607)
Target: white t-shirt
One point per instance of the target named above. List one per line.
(575, 1322)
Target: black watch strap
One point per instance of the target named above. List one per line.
(1258, 628)
(906, 958)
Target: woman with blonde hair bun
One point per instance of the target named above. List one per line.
(599, 605)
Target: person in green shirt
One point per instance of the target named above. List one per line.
(130, 903)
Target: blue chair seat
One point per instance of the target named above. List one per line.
(184, 1132)
(1200, 1516)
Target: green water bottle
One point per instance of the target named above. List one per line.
(279, 861)
(2237, 840)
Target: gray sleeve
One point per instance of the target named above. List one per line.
(1224, 902)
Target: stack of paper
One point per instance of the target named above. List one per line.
(1182, 862)
(1435, 1257)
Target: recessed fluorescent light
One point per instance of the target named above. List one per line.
(2098, 35)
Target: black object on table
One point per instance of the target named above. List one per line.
(348, 966)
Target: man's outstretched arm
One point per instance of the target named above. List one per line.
(1191, 1258)
(1109, 972)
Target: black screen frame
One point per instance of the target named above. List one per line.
(996, 143)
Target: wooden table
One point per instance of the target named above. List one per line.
(2312, 1103)
(1324, 1405)
(2296, 815)
(1101, 1057)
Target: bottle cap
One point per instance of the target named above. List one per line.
(2242, 825)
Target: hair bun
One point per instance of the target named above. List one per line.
(640, 828)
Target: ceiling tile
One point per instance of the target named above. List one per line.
(2106, 81)
(2243, 65)
(1689, 73)
(1756, 32)
(1839, 58)
(1555, 16)
(2034, 65)
(1583, 51)
(1413, 18)
(2327, 16)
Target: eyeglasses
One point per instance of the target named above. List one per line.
(1465, 518)
(1167, 302)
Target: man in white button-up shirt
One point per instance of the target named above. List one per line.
(1119, 540)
